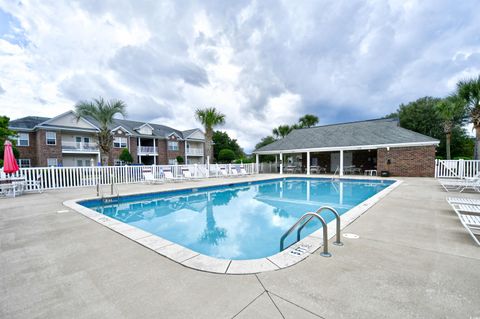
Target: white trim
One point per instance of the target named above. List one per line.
(121, 128)
(194, 131)
(63, 114)
(178, 136)
(137, 128)
(46, 137)
(347, 148)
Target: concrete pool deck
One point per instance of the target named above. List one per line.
(413, 259)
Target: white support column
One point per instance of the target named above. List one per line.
(257, 163)
(186, 148)
(154, 156)
(308, 163)
(341, 163)
(139, 150)
(281, 163)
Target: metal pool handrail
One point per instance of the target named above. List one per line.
(310, 216)
(337, 242)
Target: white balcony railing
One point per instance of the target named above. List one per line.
(147, 150)
(79, 146)
(195, 151)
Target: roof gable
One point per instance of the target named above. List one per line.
(194, 134)
(69, 119)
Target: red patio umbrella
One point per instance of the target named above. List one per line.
(9, 162)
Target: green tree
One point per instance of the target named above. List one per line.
(103, 112)
(265, 141)
(421, 116)
(469, 91)
(308, 120)
(226, 156)
(282, 131)
(221, 140)
(209, 117)
(450, 110)
(125, 156)
(6, 134)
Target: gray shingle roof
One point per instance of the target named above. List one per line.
(28, 122)
(371, 132)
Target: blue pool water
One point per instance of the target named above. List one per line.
(238, 221)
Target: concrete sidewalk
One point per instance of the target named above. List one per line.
(413, 259)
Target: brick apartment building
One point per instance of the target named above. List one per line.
(380, 145)
(64, 141)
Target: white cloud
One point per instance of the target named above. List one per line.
(262, 63)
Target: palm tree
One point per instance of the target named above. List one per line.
(281, 131)
(469, 91)
(308, 120)
(209, 117)
(450, 110)
(103, 112)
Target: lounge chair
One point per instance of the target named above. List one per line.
(243, 172)
(223, 172)
(463, 200)
(469, 216)
(234, 172)
(461, 185)
(188, 175)
(149, 178)
(170, 178)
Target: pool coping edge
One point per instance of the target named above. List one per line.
(194, 260)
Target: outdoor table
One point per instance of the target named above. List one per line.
(371, 172)
(12, 185)
(10, 180)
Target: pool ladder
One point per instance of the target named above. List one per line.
(305, 219)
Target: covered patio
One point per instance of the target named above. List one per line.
(371, 147)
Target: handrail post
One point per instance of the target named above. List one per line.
(311, 215)
(337, 241)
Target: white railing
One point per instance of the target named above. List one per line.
(457, 168)
(68, 177)
(147, 150)
(79, 146)
(195, 151)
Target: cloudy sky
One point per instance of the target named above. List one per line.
(262, 63)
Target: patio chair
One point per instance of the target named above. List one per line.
(223, 172)
(234, 172)
(170, 178)
(463, 200)
(149, 178)
(34, 184)
(469, 216)
(461, 185)
(188, 175)
(243, 172)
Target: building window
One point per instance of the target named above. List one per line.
(22, 139)
(119, 162)
(51, 138)
(120, 142)
(24, 162)
(172, 146)
(172, 161)
(52, 162)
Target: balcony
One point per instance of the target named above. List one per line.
(194, 151)
(79, 147)
(147, 150)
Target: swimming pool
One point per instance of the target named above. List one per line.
(237, 221)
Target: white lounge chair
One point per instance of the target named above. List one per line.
(223, 172)
(170, 178)
(243, 172)
(463, 200)
(461, 185)
(234, 172)
(469, 216)
(188, 175)
(149, 178)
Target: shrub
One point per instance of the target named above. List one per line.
(180, 160)
(126, 156)
(226, 155)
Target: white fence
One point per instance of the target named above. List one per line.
(457, 168)
(67, 177)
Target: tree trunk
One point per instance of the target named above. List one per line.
(447, 144)
(476, 154)
(208, 144)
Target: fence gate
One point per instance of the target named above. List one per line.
(457, 168)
